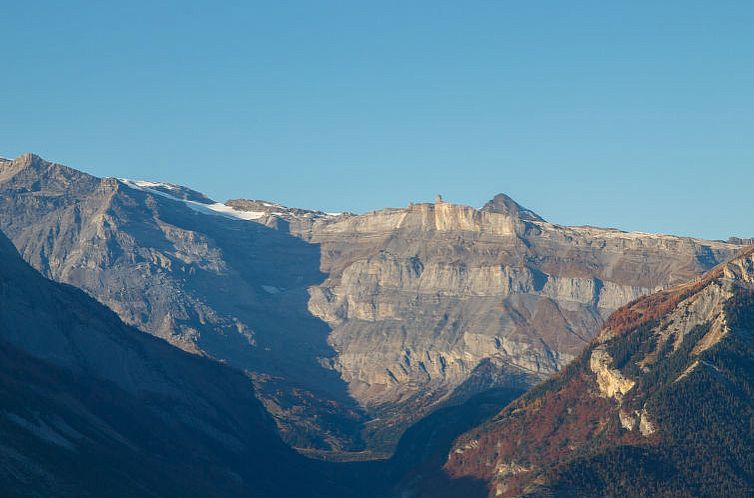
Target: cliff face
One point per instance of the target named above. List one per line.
(657, 405)
(418, 298)
(352, 327)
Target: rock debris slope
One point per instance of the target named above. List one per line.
(659, 404)
(352, 326)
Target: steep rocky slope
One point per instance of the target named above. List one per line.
(659, 404)
(92, 407)
(419, 298)
(352, 327)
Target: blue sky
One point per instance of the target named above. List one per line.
(638, 115)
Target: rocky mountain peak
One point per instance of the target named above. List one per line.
(23, 161)
(9, 167)
(270, 211)
(29, 172)
(28, 158)
(741, 269)
(741, 241)
(503, 204)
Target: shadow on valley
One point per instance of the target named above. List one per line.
(415, 470)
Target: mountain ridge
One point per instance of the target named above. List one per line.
(439, 295)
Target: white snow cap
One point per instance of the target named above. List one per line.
(217, 209)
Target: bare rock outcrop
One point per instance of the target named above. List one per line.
(610, 381)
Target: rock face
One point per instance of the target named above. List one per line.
(610, 381)
(658, 405)
(352, 327)
(418, 298)
(92, 407)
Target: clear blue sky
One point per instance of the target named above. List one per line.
(634, 114)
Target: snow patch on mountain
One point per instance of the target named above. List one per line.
(217, 208)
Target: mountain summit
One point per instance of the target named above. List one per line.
(503, 204)
(659, 404)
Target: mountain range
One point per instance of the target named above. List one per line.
(160, 343)
(352, 327)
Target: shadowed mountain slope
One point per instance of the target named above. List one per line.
(93, 407)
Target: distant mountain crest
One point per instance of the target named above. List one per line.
(274, 209)
(170, 189)
(740, 241)
(503, 204)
